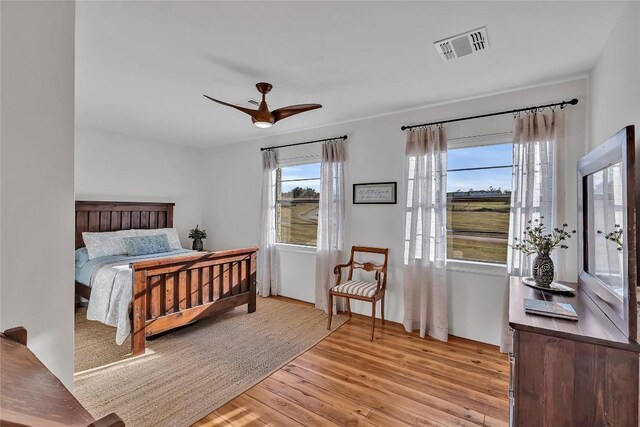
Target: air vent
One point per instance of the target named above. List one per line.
(463, 44)
(253, 102)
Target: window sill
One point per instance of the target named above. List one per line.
(289, 247)
(485, 268)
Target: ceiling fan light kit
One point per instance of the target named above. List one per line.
(262, 125)
(262, 117)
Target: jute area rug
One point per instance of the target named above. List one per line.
(187, 374)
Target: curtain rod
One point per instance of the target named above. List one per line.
(304, 143)
(562, 104)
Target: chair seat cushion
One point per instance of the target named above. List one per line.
(356, 287)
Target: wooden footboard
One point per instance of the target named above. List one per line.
(173, 292)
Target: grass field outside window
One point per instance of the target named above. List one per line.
(478, 202)
(297, 203)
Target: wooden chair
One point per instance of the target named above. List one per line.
(358, 289)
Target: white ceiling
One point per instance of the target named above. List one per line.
(142, 67)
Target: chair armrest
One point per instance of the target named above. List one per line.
(336, 269)
(382, 282)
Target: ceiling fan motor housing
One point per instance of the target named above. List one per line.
(264, 88)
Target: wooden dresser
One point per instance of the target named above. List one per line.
(567, 373)
(30, 395)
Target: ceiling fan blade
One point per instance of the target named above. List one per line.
(248, 111)
(284, 112)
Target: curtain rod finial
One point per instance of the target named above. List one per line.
(574, 101)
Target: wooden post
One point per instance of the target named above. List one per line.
(138, 336)
(111, 420)
(252, 283)
(330, 303)
(18, 334)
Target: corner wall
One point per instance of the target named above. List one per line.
(36, 184)
(375, 153)
(614, 81)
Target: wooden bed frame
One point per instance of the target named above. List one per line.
(171, 292)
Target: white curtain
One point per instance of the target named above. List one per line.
(267, 264)
(606, 207)
(425, 257)
(533, 190)
(330, 222)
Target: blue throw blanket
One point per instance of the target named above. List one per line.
(85, 272)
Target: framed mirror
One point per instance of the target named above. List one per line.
(607, 229)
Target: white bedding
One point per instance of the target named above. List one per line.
(112, 293)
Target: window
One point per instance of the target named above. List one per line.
(297, 203)
(478, 201)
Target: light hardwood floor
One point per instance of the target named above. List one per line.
(398, 380)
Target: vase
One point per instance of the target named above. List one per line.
(197, 245)
(543, 270)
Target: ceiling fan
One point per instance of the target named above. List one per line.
(262, 117)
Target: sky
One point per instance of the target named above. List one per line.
(490, 155)
(311, 170)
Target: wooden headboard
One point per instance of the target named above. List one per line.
(114, 216)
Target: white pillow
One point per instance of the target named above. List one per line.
(106, 243)
(172, 236)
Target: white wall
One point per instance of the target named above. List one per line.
(37, 114)
(375, 152)
(112, 166)
(614, 81)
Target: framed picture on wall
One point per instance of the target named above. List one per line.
(375, 193)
